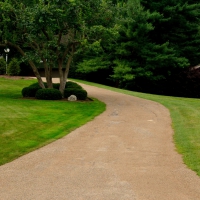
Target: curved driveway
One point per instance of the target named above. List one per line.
(126, 153)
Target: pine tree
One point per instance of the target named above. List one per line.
(137, 54)
(180, 26)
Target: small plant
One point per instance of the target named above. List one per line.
(81, 94)
(13, 67)
(2, 66)
(48, 94)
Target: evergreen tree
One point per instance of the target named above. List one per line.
(137, 55)
(180, 26)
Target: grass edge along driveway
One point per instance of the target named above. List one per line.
(28, 124)
(185, 115)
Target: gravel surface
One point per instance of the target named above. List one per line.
(126, 153)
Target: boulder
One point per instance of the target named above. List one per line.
(72, 98)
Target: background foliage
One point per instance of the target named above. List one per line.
(156, 44)
(135, 44)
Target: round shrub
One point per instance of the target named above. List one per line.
(48, 94)
(56, 86)
(33, 88)
(13, 67)
(25, 92)
(71, 84)
(81, 94)
(2, 66)
(29, 91)
(36, 85)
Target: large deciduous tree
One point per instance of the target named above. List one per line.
(50, 31)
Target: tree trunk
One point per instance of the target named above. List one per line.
(34, 68)
(35, 71)
(62, 84)
(64, 75)
(48, 75)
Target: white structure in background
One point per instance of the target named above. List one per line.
(7, 50)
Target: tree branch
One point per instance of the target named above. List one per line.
(34, 68)
(45, 33)
(59, 37)
(69, 61)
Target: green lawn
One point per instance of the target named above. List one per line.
(185, 114)
(29, 124)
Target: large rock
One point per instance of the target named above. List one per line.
(72, 98)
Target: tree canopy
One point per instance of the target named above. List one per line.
(50, 31)
(153, 41)
(179, 25)
(137, 54)
(132, 38)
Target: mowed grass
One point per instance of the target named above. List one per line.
(185, 115)
(26, 124)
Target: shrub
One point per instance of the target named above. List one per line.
(2, 66)
(34, 85)
(48, 94)
(71, 84)
(26, 92)
(56, 86)
(30, 91)
(13, 67)
(81, 94)
(37, 85)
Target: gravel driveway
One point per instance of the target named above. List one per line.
(126, 153)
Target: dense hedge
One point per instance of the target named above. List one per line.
(81, 94)
(48, 94)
